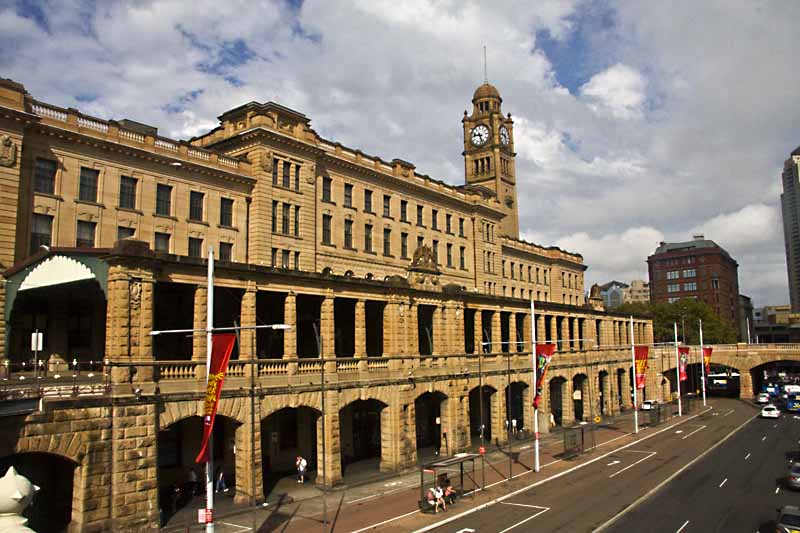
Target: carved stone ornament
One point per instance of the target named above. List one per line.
(594, 292)
(8, 152)
(136, 295)
(423, 259)
(266, 162)
(311, 173)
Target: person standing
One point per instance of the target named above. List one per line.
(192, 482)
(220, 483)
(301, 464)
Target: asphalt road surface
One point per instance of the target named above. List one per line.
(587, 497)
(737, 487)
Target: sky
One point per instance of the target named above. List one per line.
(635, 122)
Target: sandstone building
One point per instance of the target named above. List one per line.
(408, 298)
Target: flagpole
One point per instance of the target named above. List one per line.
(702, 363)
(536, 466)
(210, 455)
(677, 369)
(633, 376)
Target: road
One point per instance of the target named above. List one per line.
(584, 498)
(737, 487)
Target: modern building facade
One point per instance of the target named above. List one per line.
(616, 293)
(408, 301)
(637, 292)
(790, 211)
(698, 269)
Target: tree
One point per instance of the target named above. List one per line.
(685, 313)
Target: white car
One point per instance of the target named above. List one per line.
(770, 411)
(762, 397)
(648, 405)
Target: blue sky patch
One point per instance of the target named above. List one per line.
(31, 10)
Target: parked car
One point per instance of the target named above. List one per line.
(793, 477)
(770, 411)
(762, 397)
(788, 519)
(649, 405)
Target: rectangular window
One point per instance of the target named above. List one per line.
(287, 174)
(285, 218)
(85, 237)
(368, 237)
(275, 171)
(690, 273)
(285, 259)
(673, 274)
(435, 219)
(45, 176)
(348, 195)
(673, 300)
(225, 251)
(715, 284)
(690, 286)
(420, 241)
(297, 260)
(297, 221)
(162, 242)
(274, 216)
(226, 212)
(387, 241)
(88, 186)
(274, 257)
(297, 179)
(420, 215)
(461, 227)
(449, 254)
(41, 231)
(368, 201)
(387, 205)
(127, 192)
(326, 189)
(403, 210)
(513, 271)
(348, 234)
(530, 270)
(196, 206)
(435, 251)
(448, 223)
(462, 262)
(163, 200)
(124, 232)
(674, 287)
(404, 245)
(326, 229)
(195, 247)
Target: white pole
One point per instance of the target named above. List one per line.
(536, 466)
(748, 329)
(702, 363)
(209, 329)
(633, 375)
(677, 369)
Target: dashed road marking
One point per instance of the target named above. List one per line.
(723, 482)
(746, 457)
(618, 472)
(542, 511)
(763, 438)
(777, 489)
(693, 432)
(683, 526)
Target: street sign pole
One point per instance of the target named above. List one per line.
(536, 466)
(633, 376)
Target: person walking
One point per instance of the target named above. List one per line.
(193, 482)
(220, 483)
(301, 465)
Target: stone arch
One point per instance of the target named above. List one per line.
(365, 420)
(273, 403)
(71, 446)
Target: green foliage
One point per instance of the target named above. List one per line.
(685, 313)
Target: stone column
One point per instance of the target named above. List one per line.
(248, 458)
(118, 323)
(333, 457)
(745, 385)
(627, 400)
(247, 337)
(290, 318)
(497, 402)
(648, 332)
(497, 337)
(328, 333)
(412, 329)
(567, 404)
(393, 326)
(438, 347)
(457, 338)
(141, 326)
(513, 347)
(541, 334)
(565, 334)
(199, 322)
(605, 381)
(478, 330)
(590, 340)
(360, 331)
(392, 432)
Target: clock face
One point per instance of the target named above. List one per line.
(479, 135)
(504, 138)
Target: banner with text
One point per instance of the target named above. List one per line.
(221, 348)
(544, 353)
(683, 361)
(707, 358)
(640, 355)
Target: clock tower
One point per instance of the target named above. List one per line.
(489, 154)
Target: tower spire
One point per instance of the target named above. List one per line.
(485, 71)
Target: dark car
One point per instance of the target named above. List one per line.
(788, 520)
(793, 477)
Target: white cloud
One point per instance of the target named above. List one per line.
(619, 90)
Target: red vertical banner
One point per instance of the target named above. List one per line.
(707, 358)
(640, 355)
(683, 361)
(221, 348)
(544, 354)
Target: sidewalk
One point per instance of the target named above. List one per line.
(368, 497)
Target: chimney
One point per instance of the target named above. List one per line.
(698, 237)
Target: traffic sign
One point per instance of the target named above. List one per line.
(481, 450)
(36, 341)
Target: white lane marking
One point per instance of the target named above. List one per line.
(408, 487)
(693, 432)
(536, 484)
(683, 526)
(618, 472)
(776, 425)
(241, 528)
(763, 438)
(777, 489)
(746, 457)
(723, 482)
(466, 530)
(729, 412)
(543, 510)
(612, 463)
(679, 432)
(525, 505)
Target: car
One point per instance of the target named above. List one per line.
(788, 520)
(648, 405)
(762, 398)
(793, 477)
(770, 411)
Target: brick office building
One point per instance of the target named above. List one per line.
(411, 295)
(698, 269)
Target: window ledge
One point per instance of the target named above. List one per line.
(170, 217)
(129, 210)
(49, 195)
(87, 202)
(232, 228)
(200, 222)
